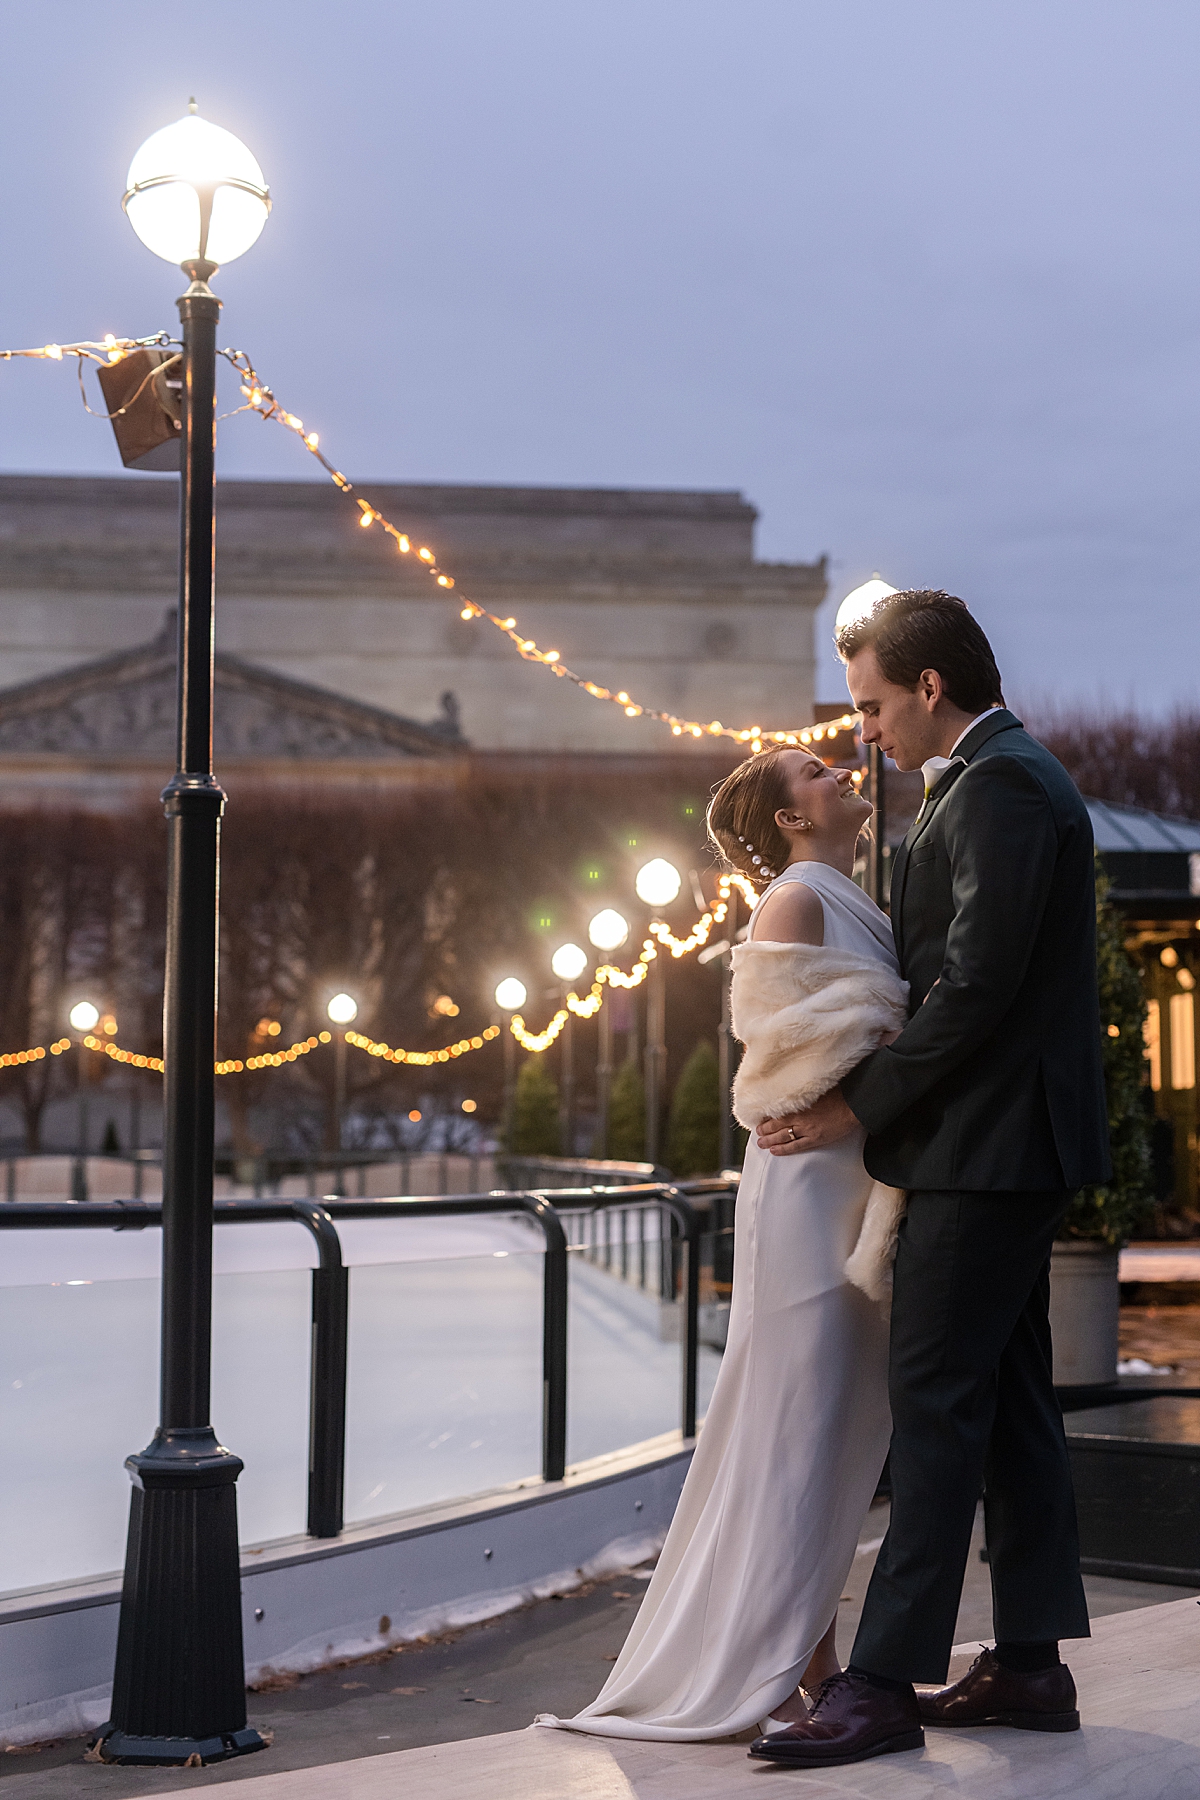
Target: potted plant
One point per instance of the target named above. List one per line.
(1084, 1290)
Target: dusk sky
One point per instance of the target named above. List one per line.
(922, 280)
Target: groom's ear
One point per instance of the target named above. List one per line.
(931, 688)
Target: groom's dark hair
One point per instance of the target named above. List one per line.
(923, 628)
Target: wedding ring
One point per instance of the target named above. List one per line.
(792, 1133)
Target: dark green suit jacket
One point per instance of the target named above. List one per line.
(996, 1082)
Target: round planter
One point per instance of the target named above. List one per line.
(1085, 1301)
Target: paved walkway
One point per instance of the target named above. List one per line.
(1140, 1697)
(485, 1681)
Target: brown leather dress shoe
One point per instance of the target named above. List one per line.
(990, 1694)
(851, 1720)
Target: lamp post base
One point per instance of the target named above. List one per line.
(179, 1687)
(119, 1747)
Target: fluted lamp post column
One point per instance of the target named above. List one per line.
(195, 197)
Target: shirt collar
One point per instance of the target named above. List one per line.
(934, 767)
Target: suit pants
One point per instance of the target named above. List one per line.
(973, 1406)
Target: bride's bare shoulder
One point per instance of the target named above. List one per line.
(792, 914)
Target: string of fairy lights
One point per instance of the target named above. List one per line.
(607, 975)
(260, 399)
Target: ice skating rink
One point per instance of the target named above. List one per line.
(444, 1392)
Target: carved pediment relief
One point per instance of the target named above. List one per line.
(123, 709)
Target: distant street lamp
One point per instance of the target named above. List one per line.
(657, 883)
(83, 1017)
(568, 963)
(196, 197)
(608, 931)
(859, 604)
(510, 998)
(342, 1010)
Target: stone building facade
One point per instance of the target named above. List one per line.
(655, 592)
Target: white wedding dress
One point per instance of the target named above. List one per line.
(791, 1449)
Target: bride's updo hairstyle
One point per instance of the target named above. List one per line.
(741, 817)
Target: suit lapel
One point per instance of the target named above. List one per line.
(1000, 720)
(916, 830)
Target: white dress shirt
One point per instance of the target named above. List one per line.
(934, 767)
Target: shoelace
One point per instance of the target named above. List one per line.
(826, 1689)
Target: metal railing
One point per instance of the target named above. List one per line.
(349, 1171)
(330, 1294)
(346, 1173)
(523, 1172)
(343, 1172)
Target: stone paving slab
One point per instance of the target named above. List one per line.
(1139, 1680)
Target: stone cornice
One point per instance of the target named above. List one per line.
(92, 533)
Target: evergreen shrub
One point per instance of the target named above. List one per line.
(694, 1132)
(536, 1124)
(627, 1116)
(1111, 1214)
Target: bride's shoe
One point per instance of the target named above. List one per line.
(769, 1724)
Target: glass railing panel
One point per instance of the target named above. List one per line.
(625, 1333)
(444, 1396)
(78, 1392)
(262, 1335)
(79, 1362)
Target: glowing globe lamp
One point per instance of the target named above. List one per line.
(608, 930)
(84, 1016)
(510, 994)
(658, 882)
(194, 193)
(862, 601)
(343, 1009)
(569, 962)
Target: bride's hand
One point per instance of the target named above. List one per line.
(826, 1121)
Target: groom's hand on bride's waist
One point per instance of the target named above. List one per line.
(826, 1121)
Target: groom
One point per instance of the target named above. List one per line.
(989, 1109)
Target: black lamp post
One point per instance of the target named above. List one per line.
(341, 1011)
(568, 963)
(657, 883)
(608, 930)
(510, 997)
(860, 603)
(179, 1683)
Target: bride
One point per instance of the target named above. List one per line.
(741, 1612)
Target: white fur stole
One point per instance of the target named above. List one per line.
(807, 1015)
